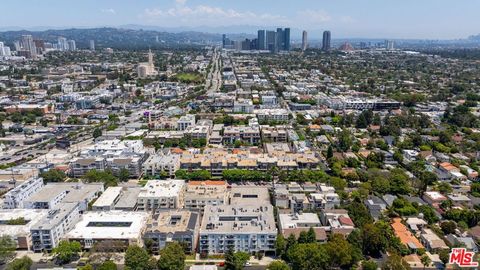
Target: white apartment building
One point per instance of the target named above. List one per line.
(16, 197)
(121, 227)
(279, 115)
(243, 106)
(108, 199)
(20, 233)
(161, 194)
(248, 228)
(47, 233)
(186, 121)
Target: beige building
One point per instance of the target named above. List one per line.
(161, 194)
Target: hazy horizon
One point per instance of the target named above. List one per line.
(408, 19)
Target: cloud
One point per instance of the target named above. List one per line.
(347, 19)
(208, 15)
(314, 16)
(109, 11)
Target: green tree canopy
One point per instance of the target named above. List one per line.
(172, 257)
(53, 175)
(66, 251)
(23, 263)
(137, 258)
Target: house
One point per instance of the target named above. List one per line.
(467, 242)
(432, 241)
(375, 206)
(405, 236)
(434, 198)
(416, 224)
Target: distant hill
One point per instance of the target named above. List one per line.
(118, 38)
(475, 37)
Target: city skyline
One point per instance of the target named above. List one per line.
(348, 19)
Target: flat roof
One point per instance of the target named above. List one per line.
(290, 221)
(171, 221)
(32, 216)
(128, 198)
(249, 195)
(108, 197)
(238, 219)
(109, 225)
(55, 216)
(162, 188)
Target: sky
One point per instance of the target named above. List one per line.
(415, 19)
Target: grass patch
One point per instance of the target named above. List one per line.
(189, 77)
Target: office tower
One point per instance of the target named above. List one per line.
(40, 45)
(286, 39)
(271, 41)
(304, 40)
(280, 46)
(389, 45)
(62, 44)
(92, 45)
(224, 40)
(262, 45)
(4, 50)
(327, 37)
(17, 45)
(71, 45)
(29, 45)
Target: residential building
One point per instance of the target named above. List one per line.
(16, 197)
(241, 133)
(186, 121)
(108, 199)
(20, 232)
(243, 106)
(106, 230)
(160, 163)
(165, 226)
(161, 194)
(48, 231)
(247, 228)
(202, 193)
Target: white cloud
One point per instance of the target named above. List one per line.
(209, 15)
(314, 16)
(347, 19)
(109, 11)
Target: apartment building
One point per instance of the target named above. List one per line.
(109, 229)
(276, 115)
(108, 199)
(156, 164)
(16, 197)
(274, 134)
(202, 193)
(247, 228)
(47, 232)
(161, 194)
(54, 194)
(166, 226)
(241, 133)
(186, 121)
(20, 233)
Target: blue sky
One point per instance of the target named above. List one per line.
(429, 19)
